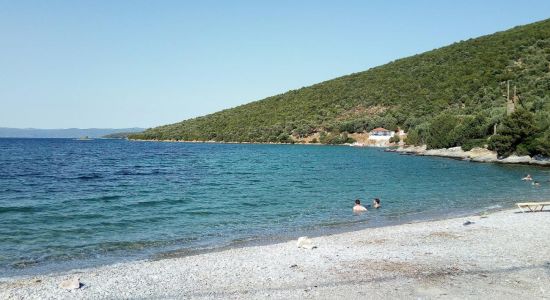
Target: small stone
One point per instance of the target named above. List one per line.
(305, 242)
(294, 266)
(70, 284)
(467, 223)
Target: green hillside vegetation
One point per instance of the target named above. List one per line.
(452, 96)
(119, 135)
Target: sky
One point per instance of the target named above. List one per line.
(117, 64)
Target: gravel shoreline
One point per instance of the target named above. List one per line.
(504, 255)
(475, 155)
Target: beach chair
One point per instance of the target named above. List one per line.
(532, 206)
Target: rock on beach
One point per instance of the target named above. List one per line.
(70, 284)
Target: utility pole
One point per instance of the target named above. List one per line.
(510, 102)
(507, 90)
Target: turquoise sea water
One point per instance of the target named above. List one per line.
(67, 203)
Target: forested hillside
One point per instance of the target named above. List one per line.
(445, 97)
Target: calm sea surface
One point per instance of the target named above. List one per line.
(67, 203)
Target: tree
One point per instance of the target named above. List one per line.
(441, 131)
(464, 81)
(517, 128)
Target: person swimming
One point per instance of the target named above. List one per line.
(527, 178)
(376, 203)
(358, 208)
(536, 183)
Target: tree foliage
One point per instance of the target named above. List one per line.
(445, 97)
(518, 133)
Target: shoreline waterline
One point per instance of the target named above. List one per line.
(62, 267)
(479, 258)
(450, 153)
(315, 233)
(110, 201)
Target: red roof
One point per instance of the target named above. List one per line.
(379, 129)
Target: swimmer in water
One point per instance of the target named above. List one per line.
(527, 178)
(358, 208)
(376, 203)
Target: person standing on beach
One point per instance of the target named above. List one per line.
(358, 208)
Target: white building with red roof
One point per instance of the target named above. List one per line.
(381, 132)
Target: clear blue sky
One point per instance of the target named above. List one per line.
(147, 63)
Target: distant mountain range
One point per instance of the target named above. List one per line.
(66, 133)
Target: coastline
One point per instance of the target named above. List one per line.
(502, 255)
(219, 142)
(474, 155)
(179, 251)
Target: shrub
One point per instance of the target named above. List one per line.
(413, 138)
(335, 139)
(395, 139)
(517, 135)
(284, 138)
(441, 133)
(470, 144)
(535, 146)
(502, 144)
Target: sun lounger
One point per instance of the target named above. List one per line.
(532, 206)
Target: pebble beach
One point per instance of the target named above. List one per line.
(504, 255)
